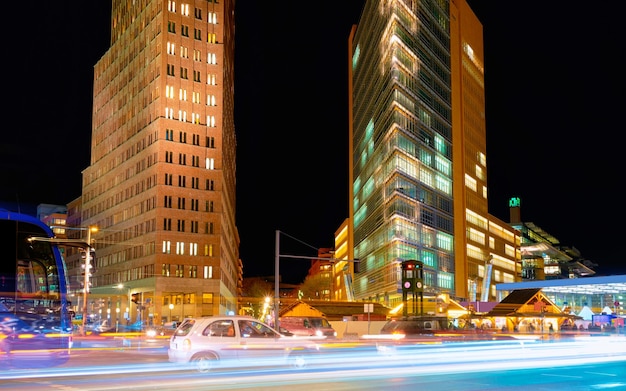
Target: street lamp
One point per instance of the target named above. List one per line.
(265, 312)
(171, 308)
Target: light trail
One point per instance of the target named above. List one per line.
(366, 362)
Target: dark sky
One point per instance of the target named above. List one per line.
(554, 88)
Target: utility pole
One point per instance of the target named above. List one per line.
(277, 256)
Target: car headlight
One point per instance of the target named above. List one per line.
(151, 333)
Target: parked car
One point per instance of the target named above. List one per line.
(100, 327)
(435, 326)
(416, 326)
(229, 341)
(159, 332)
(137, 326)
(309, 326)
(404, 335)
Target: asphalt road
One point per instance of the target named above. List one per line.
(586, 365)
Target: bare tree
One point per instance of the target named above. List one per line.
(313, 287)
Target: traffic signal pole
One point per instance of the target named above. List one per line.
(86, 281)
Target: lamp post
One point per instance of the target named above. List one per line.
(87, 265)
(86, 281)
(171, 308)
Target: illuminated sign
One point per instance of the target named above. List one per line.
(514, 202)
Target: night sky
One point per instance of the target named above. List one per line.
(554, 73)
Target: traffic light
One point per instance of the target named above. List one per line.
(82, 284)
(92, 259)
(411, 277)
(83, 255)
(135, 298)
(412, 286)
(85, 276)
(89, 270)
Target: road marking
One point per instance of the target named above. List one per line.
(557, 375)
(601, 373)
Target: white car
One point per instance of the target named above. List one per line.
(230, 341)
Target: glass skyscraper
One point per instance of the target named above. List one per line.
(418, 152)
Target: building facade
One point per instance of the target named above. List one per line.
(418, 175)
(486, 250)
(160, 186)
(543, 257)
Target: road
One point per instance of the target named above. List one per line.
(580, 365)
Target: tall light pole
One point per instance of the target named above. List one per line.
(87, 273)
(277, 257)
(276, 280)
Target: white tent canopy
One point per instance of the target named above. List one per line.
(586, 313)
(607, 310)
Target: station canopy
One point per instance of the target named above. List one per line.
(588, 285)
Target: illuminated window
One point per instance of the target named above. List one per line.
(180, 248)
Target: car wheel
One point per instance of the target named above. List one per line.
(298, 360)
(204, 362)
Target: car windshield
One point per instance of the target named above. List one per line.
(320, 322)
(185, 328)
(220, 328)
(252, 329)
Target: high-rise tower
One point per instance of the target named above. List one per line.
(161, 181)
(418, 169)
